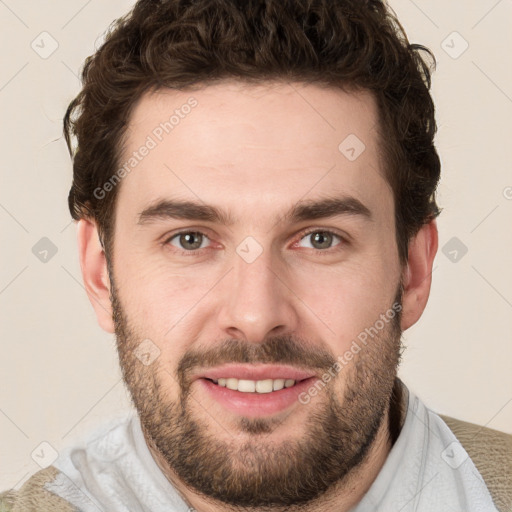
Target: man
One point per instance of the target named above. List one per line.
(254, 185)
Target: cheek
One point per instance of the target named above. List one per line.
(162, 300)
(348, 300)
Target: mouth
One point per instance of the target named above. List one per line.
(255, 390)
(254, 386)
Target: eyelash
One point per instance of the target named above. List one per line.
(343, 241)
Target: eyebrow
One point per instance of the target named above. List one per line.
(164, 209)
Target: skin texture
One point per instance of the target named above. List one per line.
(254, 152)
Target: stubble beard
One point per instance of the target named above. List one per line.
(259, 472)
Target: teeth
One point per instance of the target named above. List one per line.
(252, 386)
(246, 386)
(278, 384)
(263, 386)
(232, 383)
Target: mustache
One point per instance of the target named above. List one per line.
(276, 350)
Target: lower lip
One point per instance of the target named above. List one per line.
(256, 404)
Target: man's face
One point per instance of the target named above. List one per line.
(266, 297)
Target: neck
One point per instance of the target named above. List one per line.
(341, 497)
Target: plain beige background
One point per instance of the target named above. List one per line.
(59, 371)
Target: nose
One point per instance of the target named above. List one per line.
(257, 301)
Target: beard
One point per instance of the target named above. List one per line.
(251, 470)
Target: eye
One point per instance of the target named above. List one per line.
(321, 239)
(188, 240)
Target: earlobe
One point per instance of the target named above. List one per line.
(417, 274)
(94, 272)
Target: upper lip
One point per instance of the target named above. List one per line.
(254, 372)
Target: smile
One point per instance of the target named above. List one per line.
(254, 386)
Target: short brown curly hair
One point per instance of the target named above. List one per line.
(349, 44)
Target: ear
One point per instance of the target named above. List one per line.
(417, 274)
(94, 272)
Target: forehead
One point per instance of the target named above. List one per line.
(252, 146)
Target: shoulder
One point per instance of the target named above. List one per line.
(33, 495)
(44, 490)
(491, 453)
(443, 457)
